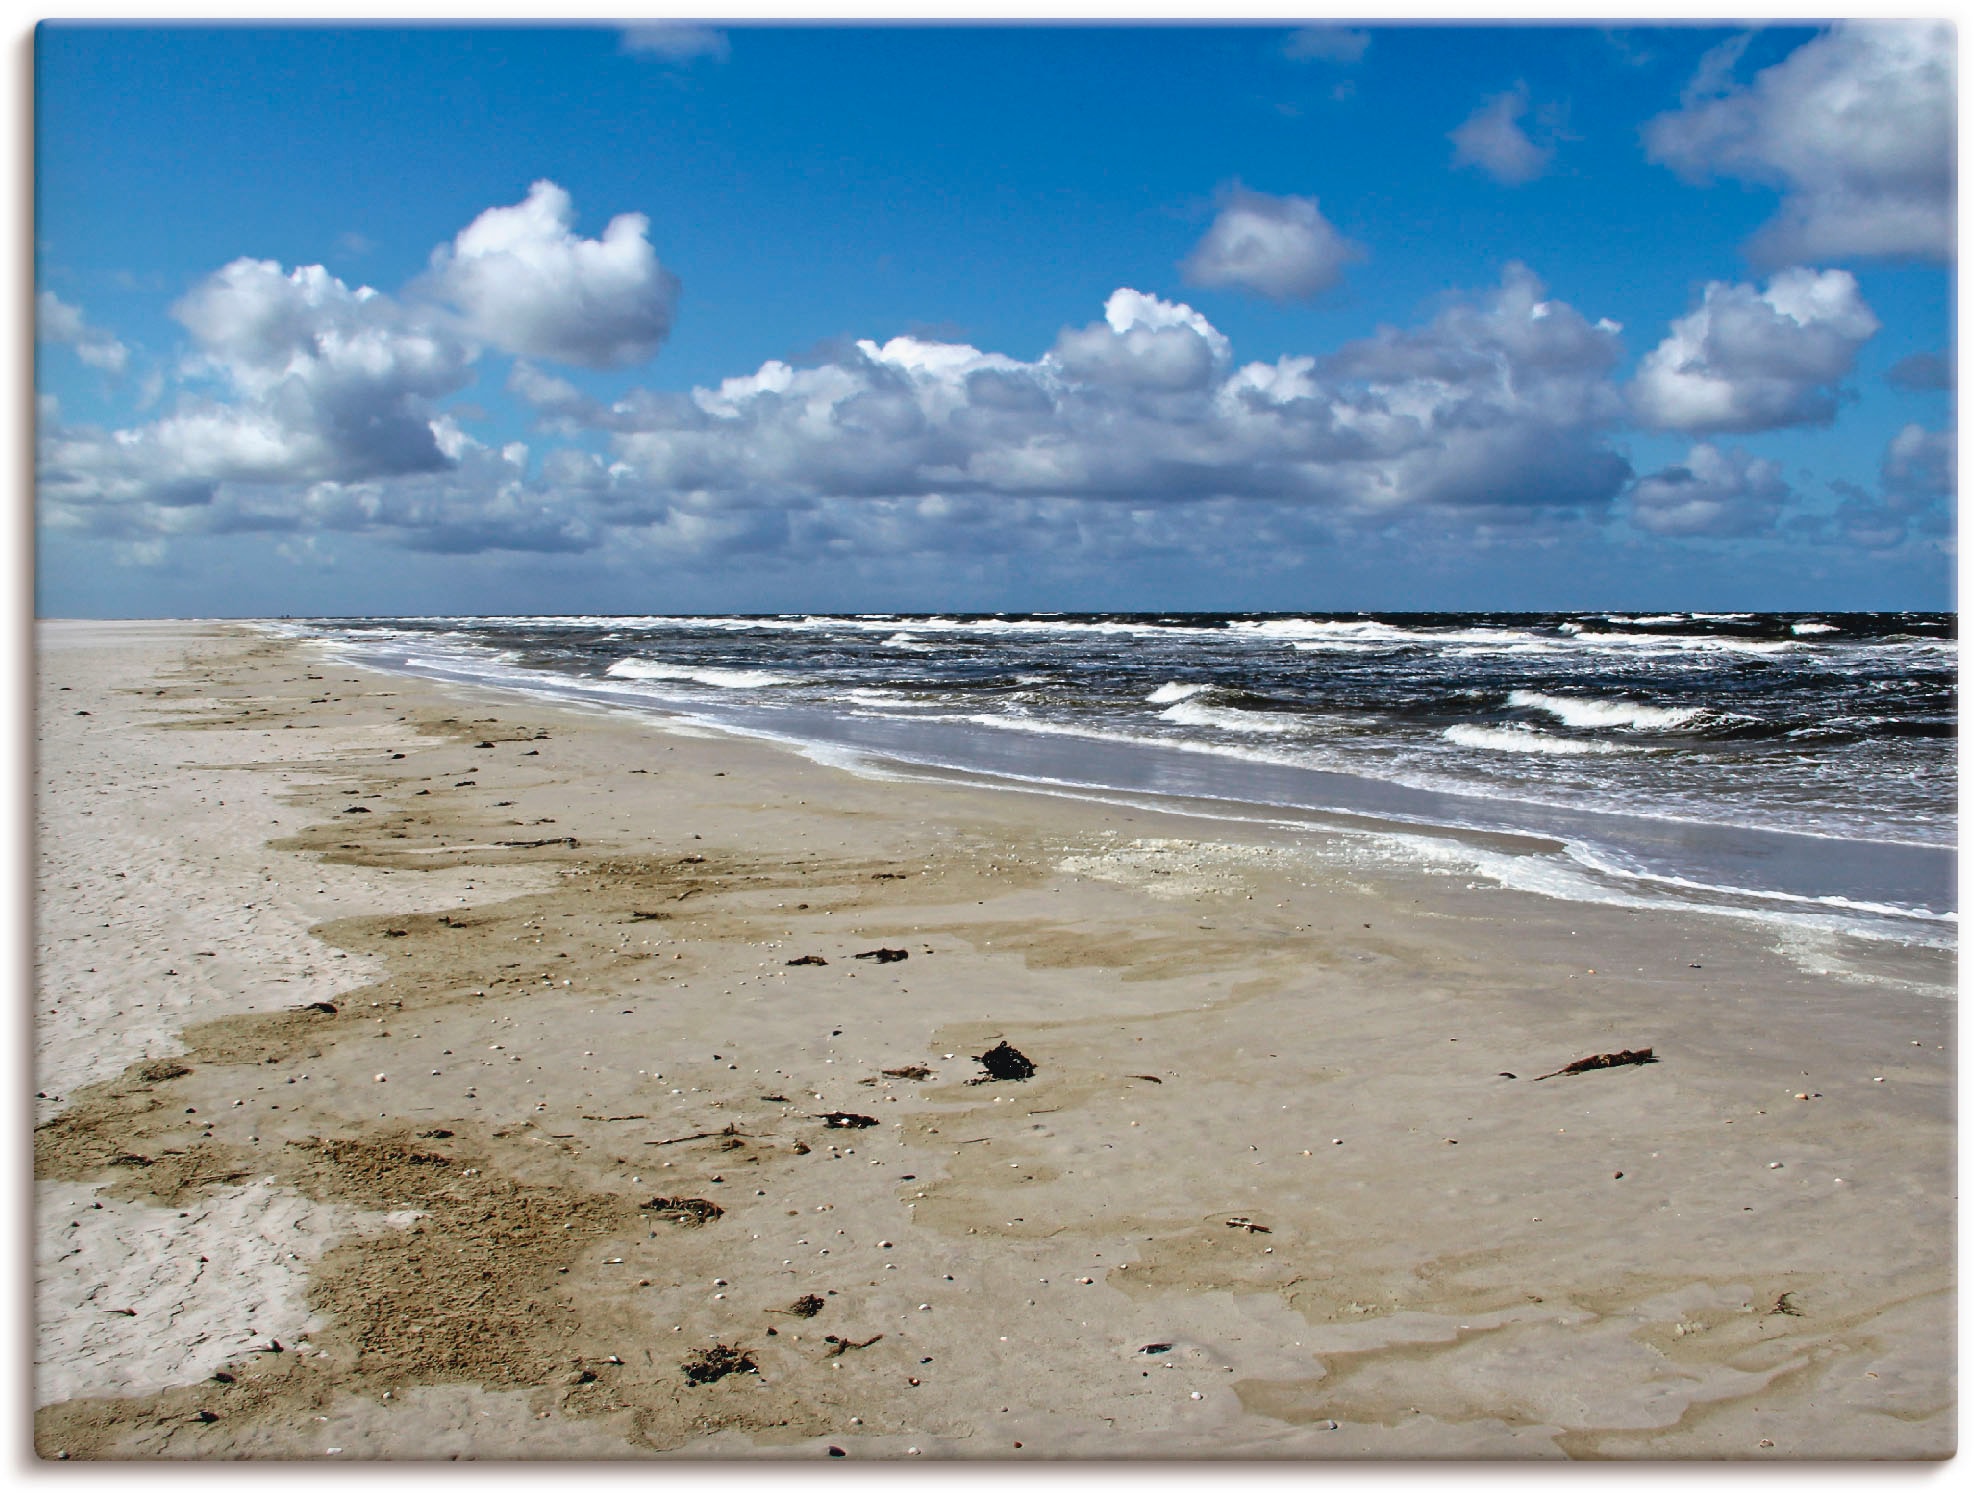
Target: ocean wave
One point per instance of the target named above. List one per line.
(1170, 693)
(1683, 642)
(1379, 637)
(1622, 715)
(1290, 628)
(640, 668)
(1526, 739)
(1665, 619)
(1191, 713)
(1809, 629)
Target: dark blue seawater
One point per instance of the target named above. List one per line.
(1798, 762)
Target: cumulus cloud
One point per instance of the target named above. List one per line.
(57, 321)
(1918, 466)
(1493, 141)
(1500, 403)
(528, 285)
(1279, 247)
(1714, 494)
(1917, 482)
(1748, 359)
(1144, 343)
(305, 405)
(302, 402)
(1326, 44)
(1921, 372)
(674, 41)
(1855, 127)
(325, 381)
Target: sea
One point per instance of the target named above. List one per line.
(1791, 767)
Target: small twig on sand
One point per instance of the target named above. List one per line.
(840, 1344)
(698, 1135)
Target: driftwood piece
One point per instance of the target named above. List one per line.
(1623, 1059)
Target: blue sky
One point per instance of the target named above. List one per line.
(358, 320)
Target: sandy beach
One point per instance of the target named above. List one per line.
(432, 1072)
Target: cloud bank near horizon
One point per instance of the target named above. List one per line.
(300, 404)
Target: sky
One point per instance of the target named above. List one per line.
(665, 318)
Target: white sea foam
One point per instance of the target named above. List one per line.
(1352, 632)
(1682, 642)
(640, 668)
(1596, 860)
(1361, 636)
(1190, 713)
(1623, 715)
(1583, 877)
(1526, 739)
(1664, 620)
(1170, 693)
(1809, 629)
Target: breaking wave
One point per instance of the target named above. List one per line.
(640, 668)
(1621, 715)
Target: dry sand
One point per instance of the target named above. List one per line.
(1271, 1191)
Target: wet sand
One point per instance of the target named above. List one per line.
(391, 1038)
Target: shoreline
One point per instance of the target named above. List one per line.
(1892, 888)
(560, 918)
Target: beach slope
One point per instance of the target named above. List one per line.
(430, 1072)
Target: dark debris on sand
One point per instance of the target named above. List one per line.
(1005, 1062)
(718, 1362)
(1623, 1059)
(693, 1212)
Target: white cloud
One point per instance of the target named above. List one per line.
(1279, 247)
(1918, 479)
(1492, 140)
(1749, 359)
(674, 41)
(1714, 494)
(57, 321)
(1918, 466)
(305, 402)
(308, 406)
(1856, 127)
(1326, 44)
(327, 382)
(1921, 372)
(554, 399)
(1498, 403)
(1144, 343)
(528, 285)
